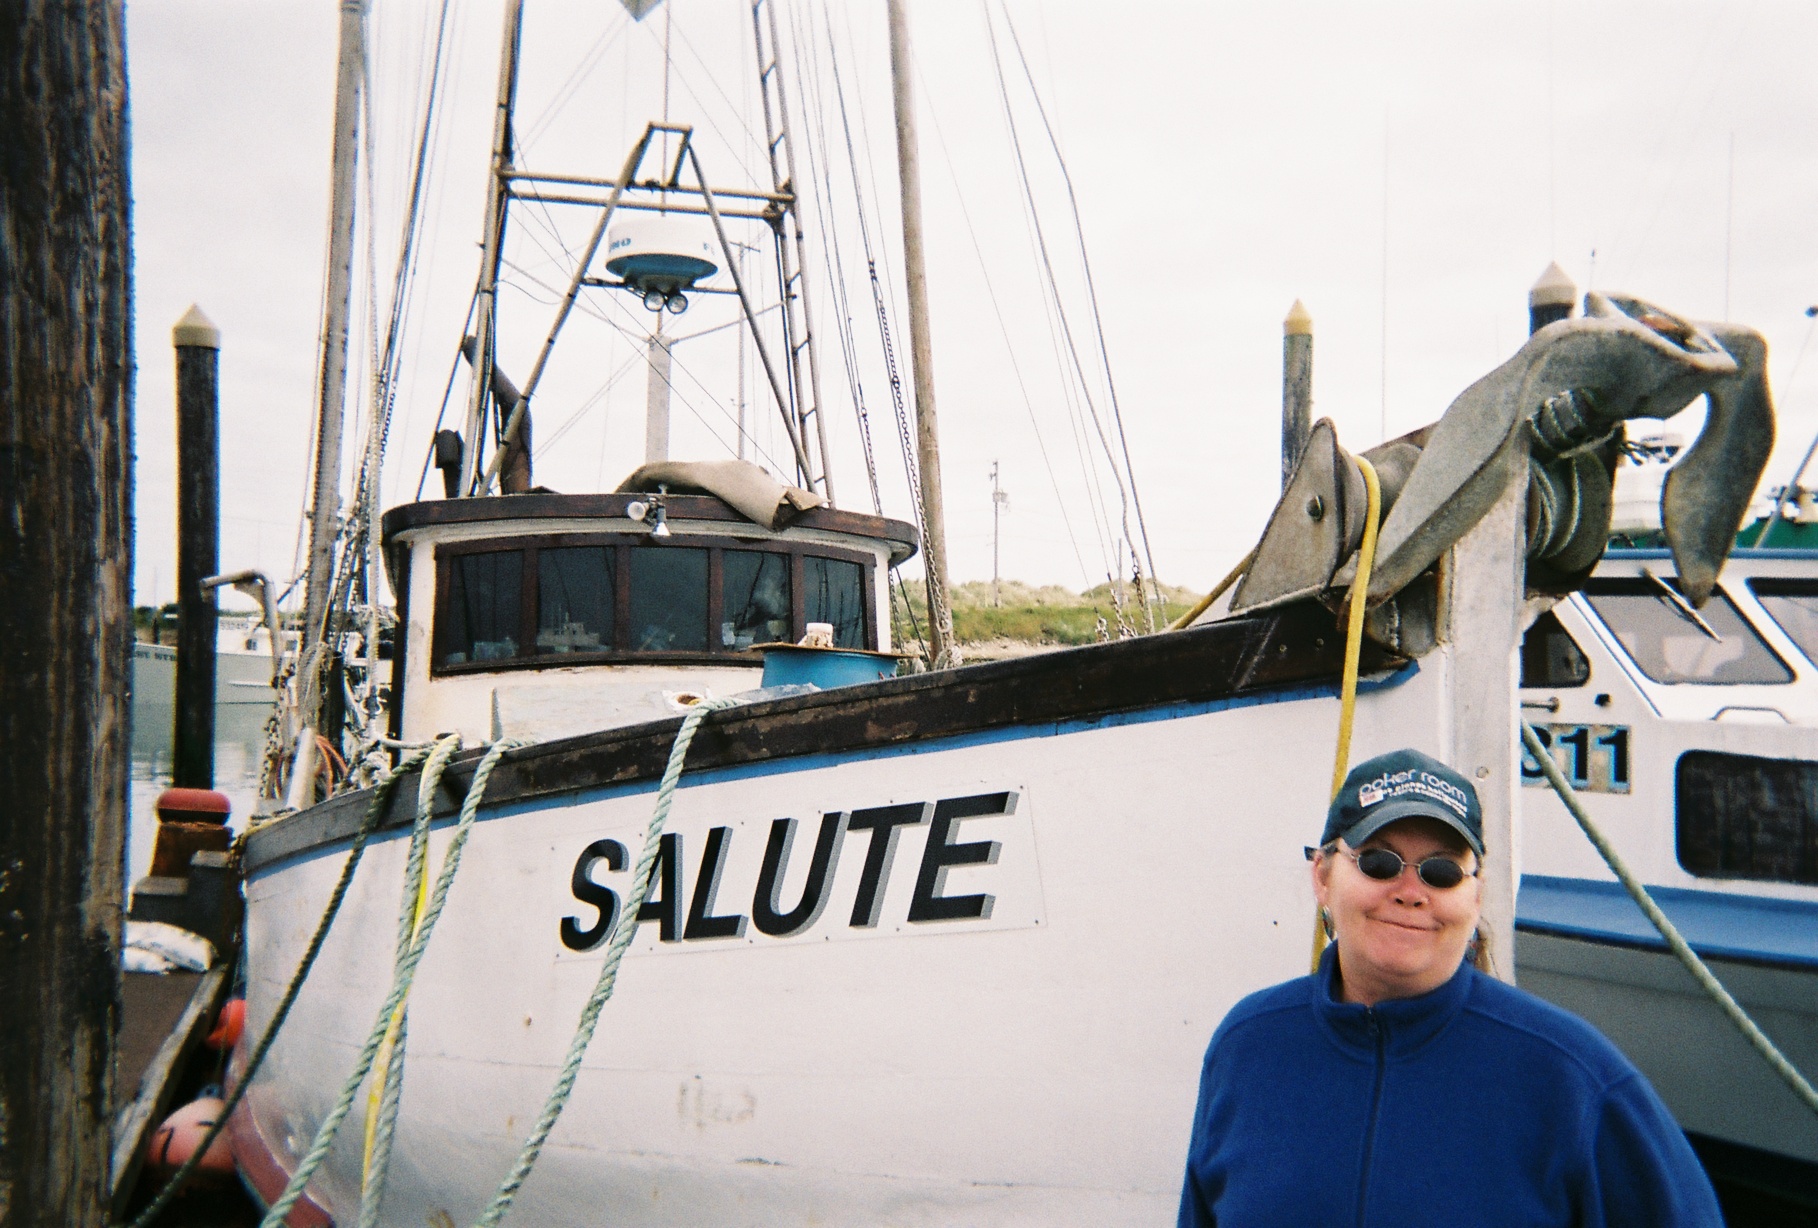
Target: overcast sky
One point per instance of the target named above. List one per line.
(1406, 170)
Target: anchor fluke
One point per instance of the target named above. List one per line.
(1707, 492)
(1553, 416)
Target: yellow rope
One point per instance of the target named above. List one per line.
(426, 785)
(1355, 602)
(1347, 699)
(1205, 603)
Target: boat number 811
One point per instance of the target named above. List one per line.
(1594, 758)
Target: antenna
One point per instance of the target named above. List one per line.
(1000, 503)
(1729, 226)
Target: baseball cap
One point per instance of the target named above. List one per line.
(1399, 785)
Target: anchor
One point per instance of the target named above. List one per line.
(1561, 403)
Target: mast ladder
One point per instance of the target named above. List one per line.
(791, 247)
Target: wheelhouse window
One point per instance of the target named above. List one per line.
(1550, 657)
(575, 599)
(1794, 605)
(755, 605)
(1673, 643)
(482, 609)
(570, 599)
(835, 593)
(668, 599)
(1741, 816)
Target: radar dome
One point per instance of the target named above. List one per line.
(659, 256)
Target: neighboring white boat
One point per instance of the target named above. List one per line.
(1693, 739)
(243, 666)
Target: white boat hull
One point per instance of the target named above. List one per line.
(1715, 1083)
(1037, 1065)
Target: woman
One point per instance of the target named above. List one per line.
(1400, 1085)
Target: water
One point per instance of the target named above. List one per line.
(239, 741)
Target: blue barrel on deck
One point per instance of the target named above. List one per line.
(787, 665)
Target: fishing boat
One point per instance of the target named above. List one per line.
(943, 946)
(1691, 736)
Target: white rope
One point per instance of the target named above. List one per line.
(626, 930)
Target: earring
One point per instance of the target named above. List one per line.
(1325, 920)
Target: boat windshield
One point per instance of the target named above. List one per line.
(565, 599)
(1794, 605)
(1672, 643)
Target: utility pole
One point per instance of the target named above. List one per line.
(1000, 503)
(66, 469)
(921, 344)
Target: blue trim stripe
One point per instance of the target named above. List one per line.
(1719, 925)
(1737, 552)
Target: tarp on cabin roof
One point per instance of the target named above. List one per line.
(750, 491)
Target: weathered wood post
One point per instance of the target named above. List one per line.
(198, 345)
(65, 622)
(1551, 298)
(921, 344)
(1296, 387)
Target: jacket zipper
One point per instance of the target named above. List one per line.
(1369, 1150)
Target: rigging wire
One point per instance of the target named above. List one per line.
(831, 257)
(598, 395)
(454, 370)
(1067, 330)
(386, 358)
(585, 68)
(1677, 133)
(905, 436)
(636, 333)
(353, 579)
(1010, 351)
(1110, 552)
(1098, 321)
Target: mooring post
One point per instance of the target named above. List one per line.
(66, 621)
(198, 346)
(1551, 298)
(1296, 387)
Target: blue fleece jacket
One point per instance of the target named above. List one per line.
(1476, 1104)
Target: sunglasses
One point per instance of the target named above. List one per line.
(1386, 865)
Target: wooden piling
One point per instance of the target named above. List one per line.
(1551, 298)
(66, 623)
(198, 345)
(1296, 387)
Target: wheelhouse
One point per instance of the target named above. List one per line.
(540, 614)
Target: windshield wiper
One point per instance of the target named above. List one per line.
(1684, 607)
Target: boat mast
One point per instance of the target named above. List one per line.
(794, 264)
(325, 511)
(492, 247)
(921, 348)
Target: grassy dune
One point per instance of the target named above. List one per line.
(1038, 617)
